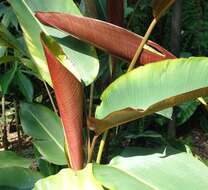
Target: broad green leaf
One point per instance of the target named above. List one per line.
(11, 159)
(169, 170)
(6, 79)
(80, 56)
(25, 85)
(150, 89)
(68, 179)
(46, 129)
(17, 178)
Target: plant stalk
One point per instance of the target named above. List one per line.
(143, 42)
(90, 152)
(4, 131)
(101, 147)
(50, 97)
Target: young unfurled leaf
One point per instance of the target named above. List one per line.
(150, 89)
(160, 6)
(69, 96)
(113, 39)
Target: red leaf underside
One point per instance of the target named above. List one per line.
(69, 96)
(111, 38)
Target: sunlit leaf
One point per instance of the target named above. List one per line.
(167, 170)
(68, 179)
(150, 89)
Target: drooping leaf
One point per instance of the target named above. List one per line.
(150, 89)
(115, 40)
(169, 170)
(82, 56)
(69, 95)
(46, 129)
(17, 178)
(160, 6)
(68, 179)
(11, 159)
(25, 85)
(6, 79)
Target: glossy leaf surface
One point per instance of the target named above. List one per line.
(168, 170)
(115, 40)
(82, 56)
(69, 96)
(67, 179)
(150, 89)
(46, 129)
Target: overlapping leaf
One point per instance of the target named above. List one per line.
(150, 89)
(115, 40)
(69, 95)
(168, 170)
(67, 179)
(45, 128)
(82, 56)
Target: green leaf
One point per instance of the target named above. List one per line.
(68, 179)
(81, 57)
(6, 79)
(46, 129)
(25, 85)
(17, 178)
(150, 89)
(11, 159)
(169, 170)
(186, 110)
(9, 40)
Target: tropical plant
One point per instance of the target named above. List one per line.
(138, 92)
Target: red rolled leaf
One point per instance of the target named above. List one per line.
(69, 96)
(111, 38)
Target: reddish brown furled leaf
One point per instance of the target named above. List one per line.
(69, 96)
(160, 6)
(115, 12)
(113, 39)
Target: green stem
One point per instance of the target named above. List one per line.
(50, 97)
(90, 152)
(101, 147)
(143, 42)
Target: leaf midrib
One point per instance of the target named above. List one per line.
(47, 132)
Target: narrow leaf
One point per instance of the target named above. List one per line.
(69, 96)
(115, 40)
(25, 85)
(150, 89)
(160, 6)
(6, 79)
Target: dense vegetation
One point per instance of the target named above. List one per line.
(90, 105)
